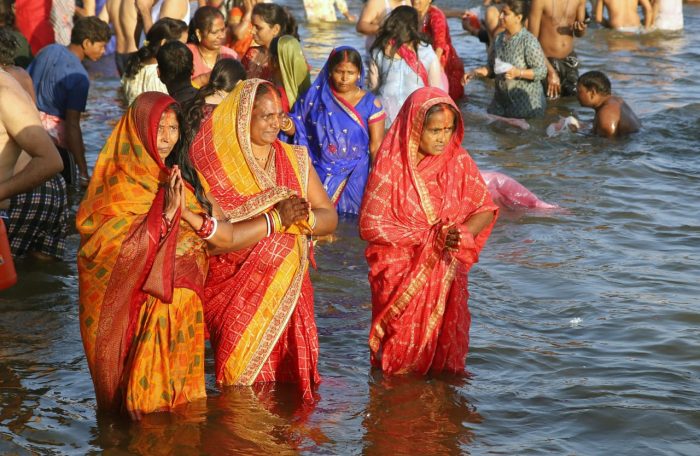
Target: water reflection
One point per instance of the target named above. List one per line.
(410, 415)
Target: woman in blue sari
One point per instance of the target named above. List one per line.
(342, 125)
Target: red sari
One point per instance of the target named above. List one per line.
(435, 26)
(420, 317)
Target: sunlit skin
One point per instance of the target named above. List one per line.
(213, 38)
(265, 122)
(264, 33)
(344, 78)
(437, 133)
(168, 134)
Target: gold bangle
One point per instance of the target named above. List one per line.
(287, 123)
(312, 220)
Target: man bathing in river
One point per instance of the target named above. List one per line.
(613, 117)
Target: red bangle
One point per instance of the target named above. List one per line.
(207, 227)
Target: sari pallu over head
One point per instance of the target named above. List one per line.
(122, 258)
(337, 137)
(254, 296)
(419, 291)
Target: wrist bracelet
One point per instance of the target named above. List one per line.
(268, 224)
(312, 220)
(215, 225)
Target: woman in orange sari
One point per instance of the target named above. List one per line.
(259, 301)
(141, 271)
(426, 214)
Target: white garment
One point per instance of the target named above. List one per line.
(155, 12)
(396, 80)
(670, 15)
(146, 80)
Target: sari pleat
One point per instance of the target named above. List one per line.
(420, 318)
(258, 301)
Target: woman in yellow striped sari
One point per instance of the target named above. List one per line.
(259, 301)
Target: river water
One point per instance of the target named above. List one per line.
(585, 328)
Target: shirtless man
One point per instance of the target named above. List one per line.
(21, 130)
(613, 117)
(555, 23)
(373, 14)
(150, 11)
(122, 15)
(623, 14)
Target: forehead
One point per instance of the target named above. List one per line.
(168, 117)
(346, 66)
(268, 103)
(258, 21)
(440, 118)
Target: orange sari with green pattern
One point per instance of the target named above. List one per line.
(420, 317)
(141, 316)
(258, 301)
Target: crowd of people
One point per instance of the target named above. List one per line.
(201, 214)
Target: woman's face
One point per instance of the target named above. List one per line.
(263, 33)
(344, 77)
(214, 38)
(509, 20)
(266, 119)
(168, 133)
(437, 132)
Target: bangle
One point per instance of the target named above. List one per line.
(206, 229)
(276, 220)
(312, 220)
(215, 225)
(268, 224)
(286, 123)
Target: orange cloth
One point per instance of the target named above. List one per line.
(258, 301)
(420, 318)
(140, 314)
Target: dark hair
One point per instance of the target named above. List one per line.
(519, 7)
(90, 28)
(174, 62)
(345, 55)
(7, 16)
(596, 80)
(164, 29)
(402, 27)
(441, 107)
(203, 21)
(274, 14)
(8, 46)
(180, 156)
(224, 76)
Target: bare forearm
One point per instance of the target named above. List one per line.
(478, 222)
(74, 141)
(230, 237)
(326, 221)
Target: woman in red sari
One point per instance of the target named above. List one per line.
(434, 24)
(426, 214)
(259, 301)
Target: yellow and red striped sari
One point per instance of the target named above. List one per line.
(420, 317)
(258, 301)
(141, 316)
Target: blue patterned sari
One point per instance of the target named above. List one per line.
(337, 137)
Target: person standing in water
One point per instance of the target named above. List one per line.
(613, 117)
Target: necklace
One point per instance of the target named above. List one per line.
(204, 60)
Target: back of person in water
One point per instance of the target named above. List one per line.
(623, 14)
(555, 23)
(613, 117)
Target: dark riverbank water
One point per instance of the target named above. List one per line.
(585, 328)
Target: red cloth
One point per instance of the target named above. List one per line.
(411, 58)
(420, 318)
(435, 26)
(32, 18)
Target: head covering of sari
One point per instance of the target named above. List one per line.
(337, 136)
(259, 303)
(293, 68)
(418, 288)
(122, 258)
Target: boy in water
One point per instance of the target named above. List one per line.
(613, 117)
